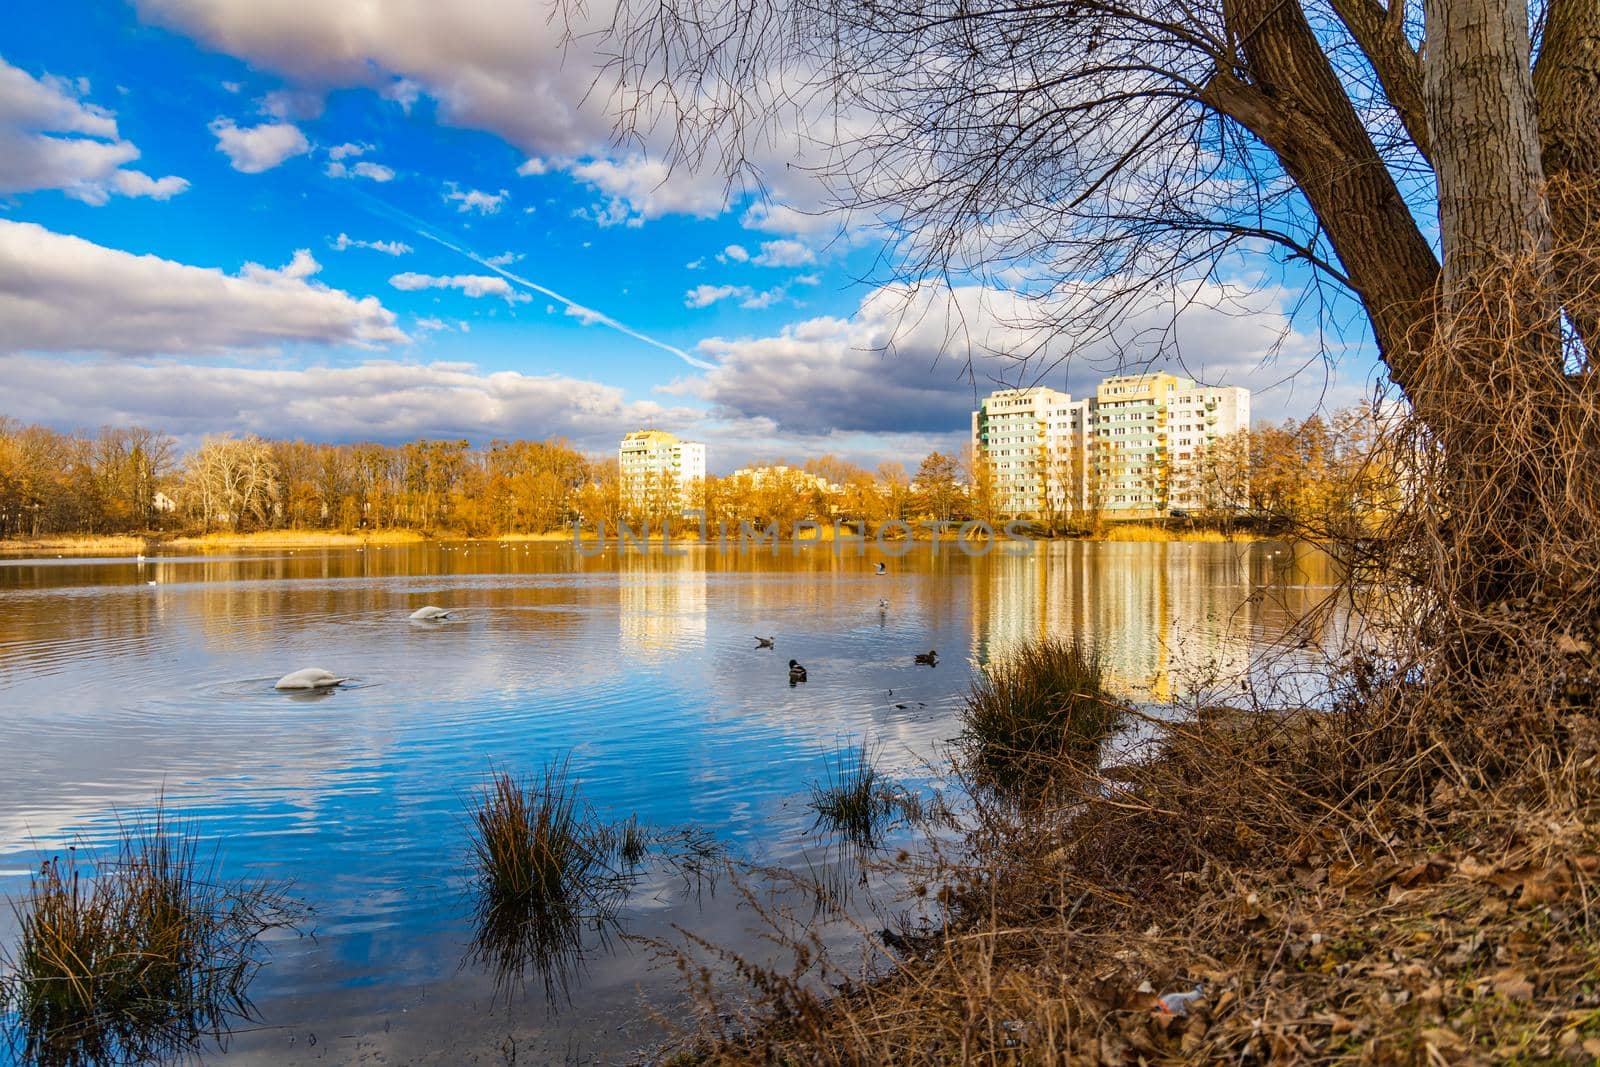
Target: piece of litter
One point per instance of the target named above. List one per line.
(1179, 1003)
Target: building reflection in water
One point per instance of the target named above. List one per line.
(1167, 618)
(661, 602)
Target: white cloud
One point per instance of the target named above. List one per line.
(61, 293)
(51, 138)
(340, 151)
(784, 253)
(375, 171)
(912, 360)
(388, 248)
(473, 285)
(376, 400)
(736, 253)
(706, 295)
(258, 148)
(763, 299)
(506, 67)
(773, 217)
(496, 65)
(639, 189)
(138, 183)
(288, 104)
(695, 264)
(475, 199)
(504, 259)
(587, 316)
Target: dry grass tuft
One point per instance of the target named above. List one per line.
(1028, 712)
(855, 801)
(544, 878)
(140, 956)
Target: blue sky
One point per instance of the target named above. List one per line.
(329, 221)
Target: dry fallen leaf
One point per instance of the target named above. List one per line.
(1441, 1037)
(1512, 985)
(1429, 870)
(1568, 645)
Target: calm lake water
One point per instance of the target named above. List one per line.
(640, 667)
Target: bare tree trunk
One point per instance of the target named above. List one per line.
(1287, 93)
(1498, 394)
(1566, 80)
(1485, 135)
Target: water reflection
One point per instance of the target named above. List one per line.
(1164, 616)
(639, 666)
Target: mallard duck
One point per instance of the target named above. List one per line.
(797, 673)
(881, 569)
(765, 642)
(310, 678)
(930, 657)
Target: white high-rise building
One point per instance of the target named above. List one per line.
(658, 471)
(1131, 450)
(1035, 442)
(1150, 434)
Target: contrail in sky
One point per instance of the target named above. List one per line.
(587, 315)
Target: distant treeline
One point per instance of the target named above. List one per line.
(133, 480)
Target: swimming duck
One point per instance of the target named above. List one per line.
(883, 605)
(797, 673)
(310, 678)
(881, 569)
(930, 657)
(430, 613)
(765, 642)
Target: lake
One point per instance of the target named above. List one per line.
(122, 681)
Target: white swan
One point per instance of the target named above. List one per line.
(310, 678)
(430, 613)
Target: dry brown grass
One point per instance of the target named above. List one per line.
(546, 877)
(298, 539)
(75, 546)
(1144, 532)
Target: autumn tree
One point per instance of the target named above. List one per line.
(983, 491)
(233, 481)
(939, 494)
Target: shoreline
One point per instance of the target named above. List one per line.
(132, 544)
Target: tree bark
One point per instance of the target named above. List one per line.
(1566, 81)
(1485, 135)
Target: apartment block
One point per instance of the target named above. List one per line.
(779, 475)
(1150, 432)
(1036, 442)
(658, 471)
(1131, 450)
